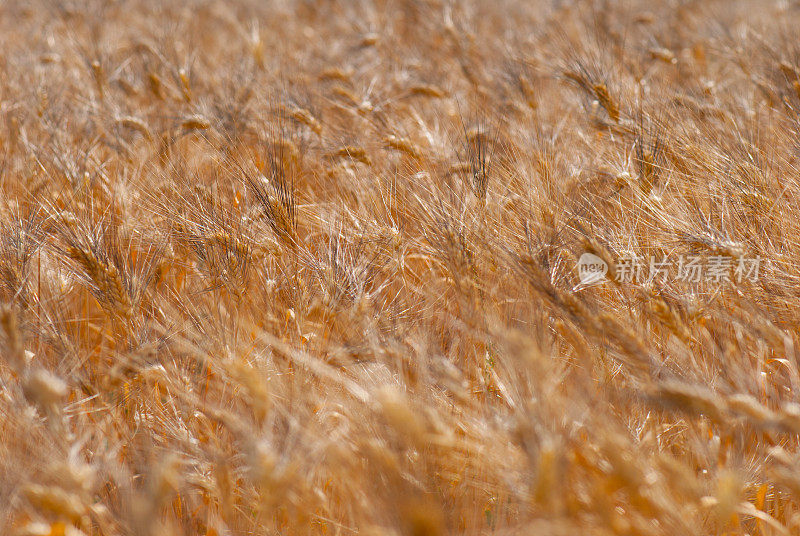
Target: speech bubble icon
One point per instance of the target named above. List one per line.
(592, 269)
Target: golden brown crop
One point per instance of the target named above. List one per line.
(408, 267)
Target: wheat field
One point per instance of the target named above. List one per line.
(399, 267)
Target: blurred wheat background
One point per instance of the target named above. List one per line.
(310, 267)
